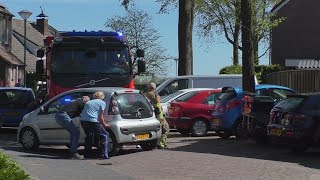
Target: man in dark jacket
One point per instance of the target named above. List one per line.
(64, 118)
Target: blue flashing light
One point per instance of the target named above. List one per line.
(92, 33)
(67, 100)
(120, 34)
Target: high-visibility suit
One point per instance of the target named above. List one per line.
(155, 101)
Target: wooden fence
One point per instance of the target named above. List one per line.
(306, 80)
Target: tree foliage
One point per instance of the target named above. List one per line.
(185, 30)
(138, 29)
(223, 17)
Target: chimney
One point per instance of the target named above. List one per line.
(42, 23)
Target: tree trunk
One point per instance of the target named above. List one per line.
(256, 53)
(236, 50)
(185, 29)
(236, 34)
(248, 82)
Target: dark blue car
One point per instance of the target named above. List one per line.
(15, 102)
(227, 114)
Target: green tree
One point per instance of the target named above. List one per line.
(223, 17)
(185, 29)
(139, 31)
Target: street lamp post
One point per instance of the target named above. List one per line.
(176, 59)
(25, 14)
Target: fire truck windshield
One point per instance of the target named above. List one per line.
(106, 60)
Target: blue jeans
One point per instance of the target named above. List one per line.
(65, 121)
(95, 131)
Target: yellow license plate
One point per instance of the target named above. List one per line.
(12, 113)
(276, 132)
(215, 121)
(142, 136)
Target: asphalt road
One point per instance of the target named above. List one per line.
(188, 158)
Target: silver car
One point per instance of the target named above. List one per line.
(128, 113)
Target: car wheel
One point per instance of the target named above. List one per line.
(199, 128)
(183, 131)
(224, 134)
(29, 139)
(113, 146)
(149, 145)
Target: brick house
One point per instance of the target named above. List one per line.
(12, 67)
(296, 39)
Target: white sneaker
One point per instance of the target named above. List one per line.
(138, 147)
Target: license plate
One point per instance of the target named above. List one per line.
(276, 132)
(12, 113)
(142, 136)
(215, 121)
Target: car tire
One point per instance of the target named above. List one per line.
(149, 145)
(224, 134)
(199, 128)
(113, 145)
(183, 131)
(29, 139)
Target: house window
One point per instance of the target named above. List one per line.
(1, 27)
(5, 28)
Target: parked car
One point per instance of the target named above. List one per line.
(165, 101)
(15, 102)
(174, 84)
(295, 120)
(128, 113)
(191, 112)
(227, 116)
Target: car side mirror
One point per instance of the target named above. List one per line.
(40, 67)
(42, 109)
(141, 66)
(40, 53)
(140, 53)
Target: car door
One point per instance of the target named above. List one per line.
(50, 130)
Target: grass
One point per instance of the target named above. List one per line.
(10, 170)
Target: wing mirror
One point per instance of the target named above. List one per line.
(42, 109)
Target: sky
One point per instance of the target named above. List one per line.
(91, 15)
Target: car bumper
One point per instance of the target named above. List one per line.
(180, 122)
(276, 131)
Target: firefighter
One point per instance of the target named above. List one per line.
(154, 98)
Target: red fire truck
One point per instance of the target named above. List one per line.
(88, 59)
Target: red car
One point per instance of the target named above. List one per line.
(191, 112)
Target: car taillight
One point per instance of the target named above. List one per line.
(113, 107)
(174, 110)
(233, 103)
(292, 119)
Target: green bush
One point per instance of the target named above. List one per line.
(234, 69)
(10, 170)
(260, 70)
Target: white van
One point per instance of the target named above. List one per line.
(174, 84)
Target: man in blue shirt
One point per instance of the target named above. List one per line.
(92, 122)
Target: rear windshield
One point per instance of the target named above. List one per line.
(186, 96)
(12, 98)
(289, 104)
(169, 97)
(134, 106)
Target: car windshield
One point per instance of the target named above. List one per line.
(186, 96)
(169, 97)
(134, 106)
(94, 61)
(12, 98)
(289, 104)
